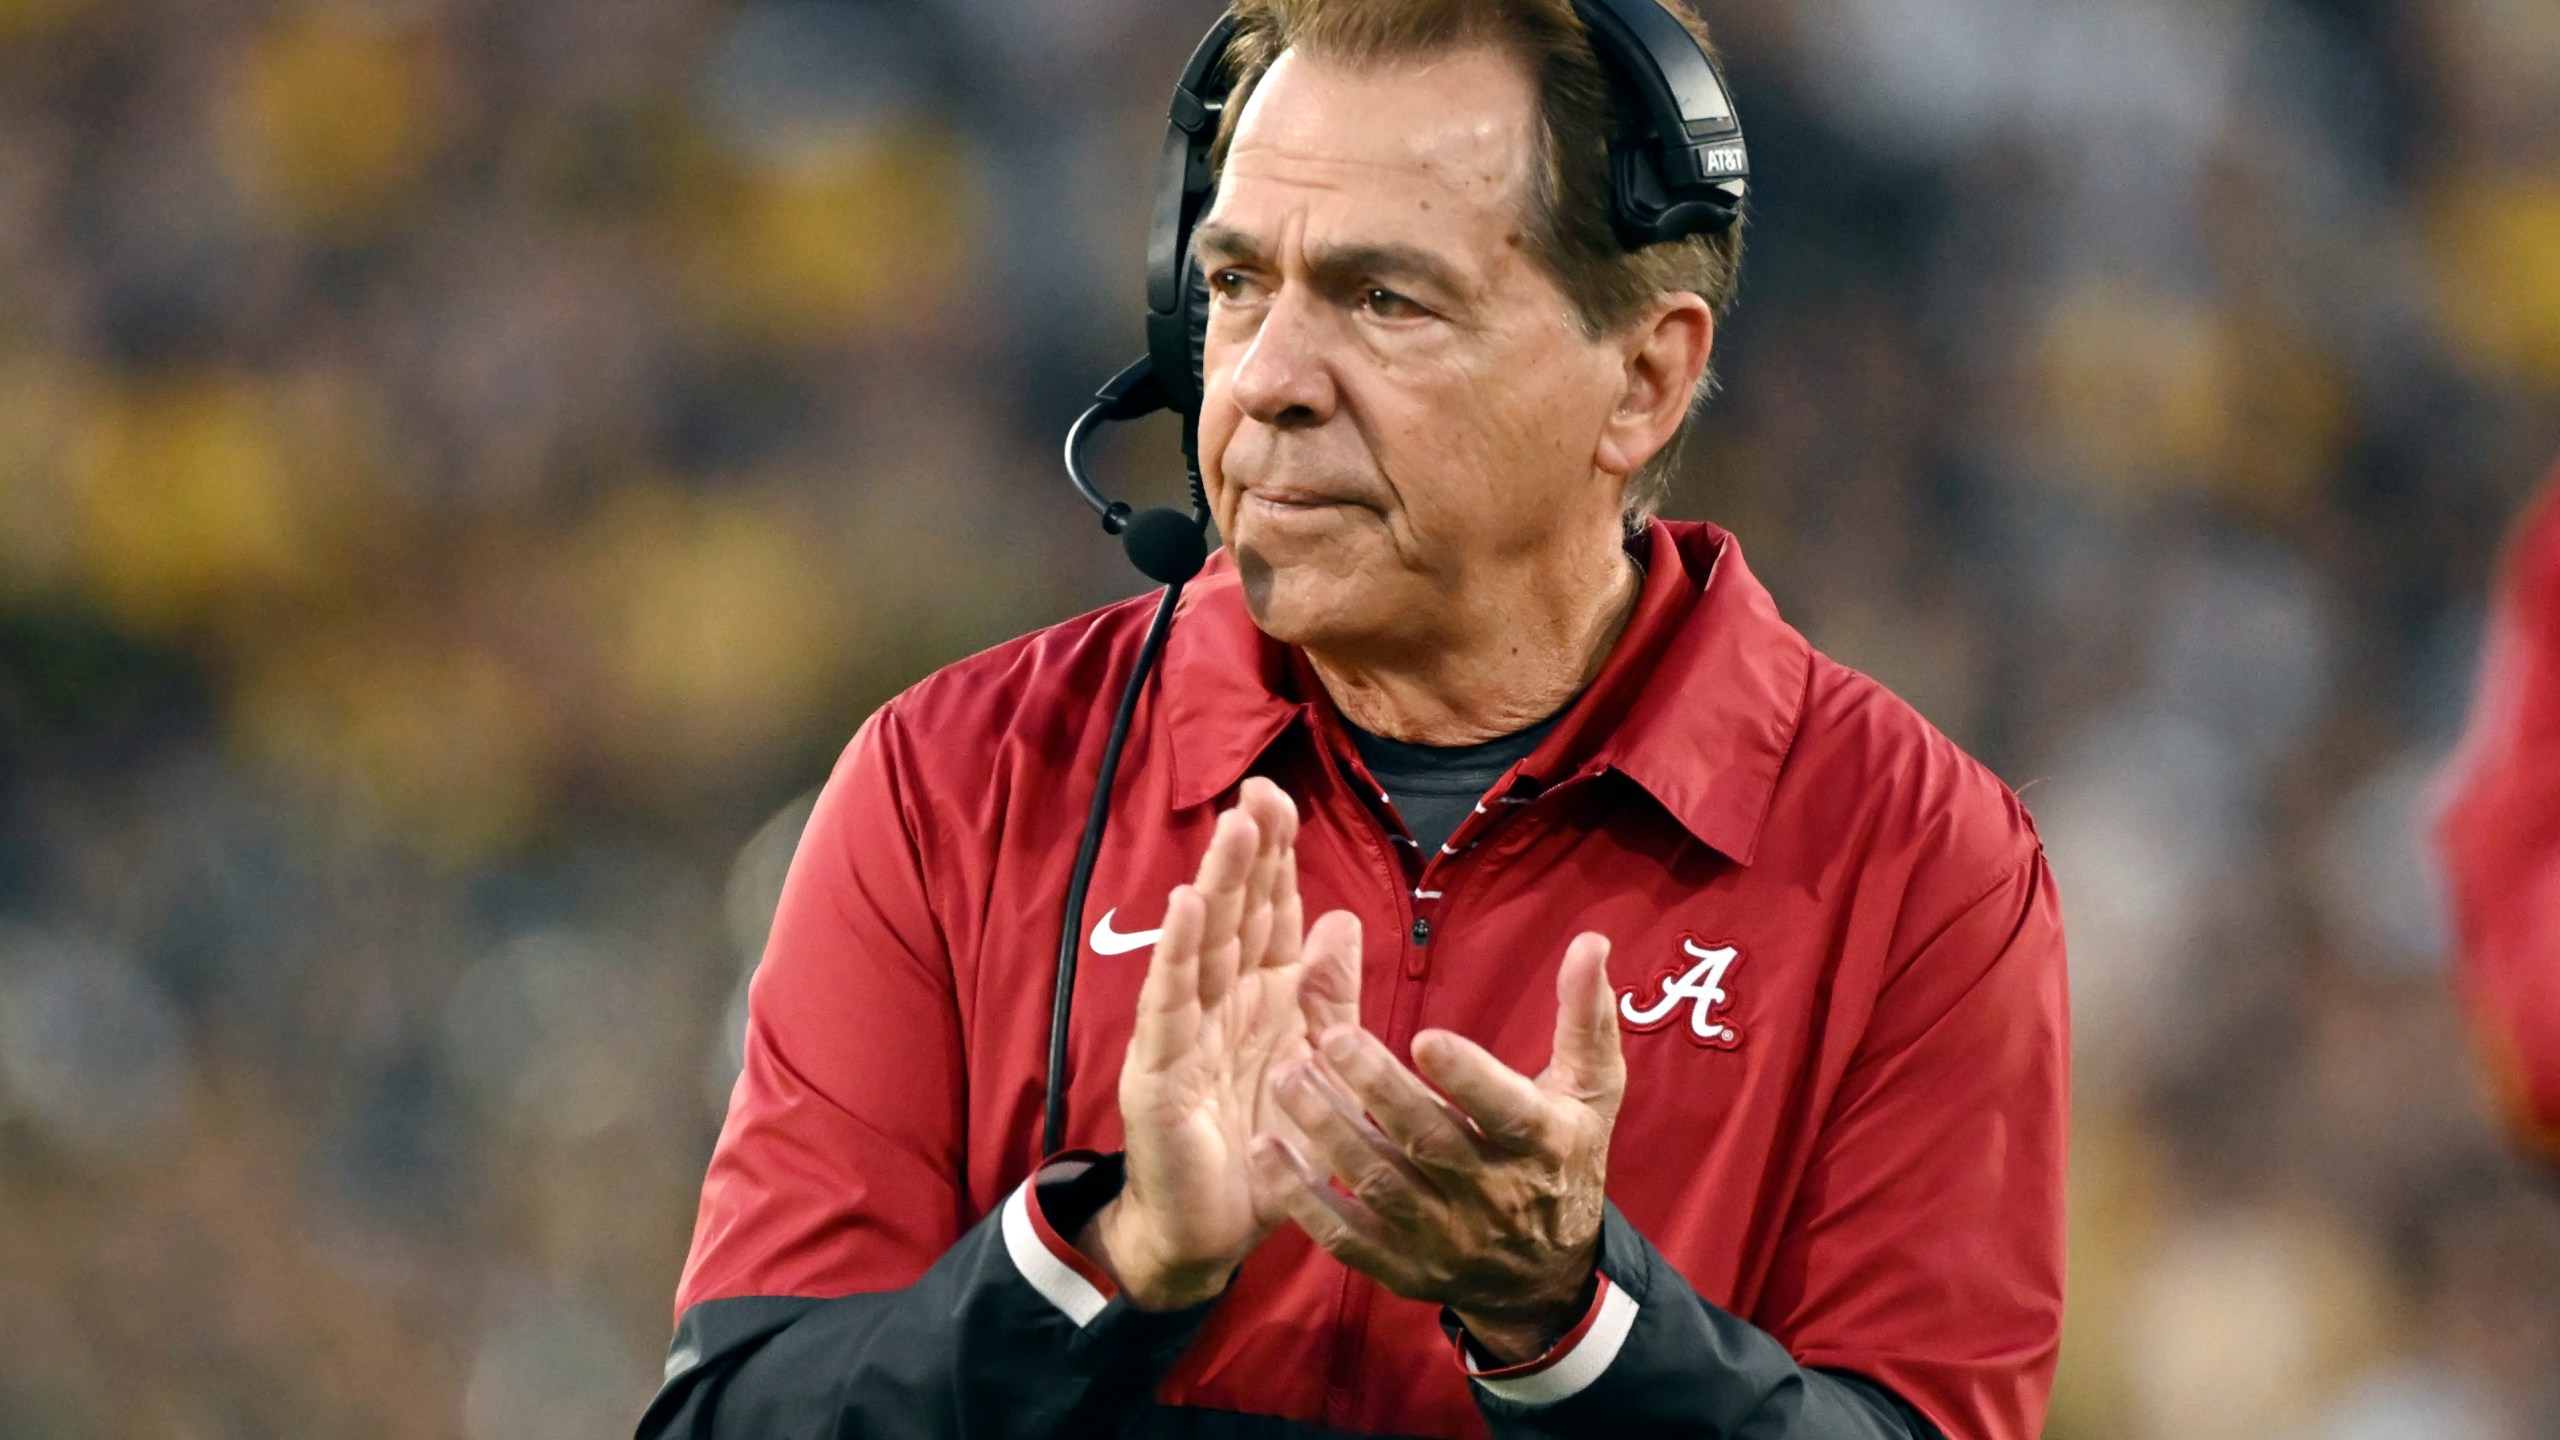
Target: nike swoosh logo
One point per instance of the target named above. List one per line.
(1107, 941)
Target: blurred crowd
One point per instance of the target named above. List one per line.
(467, 466)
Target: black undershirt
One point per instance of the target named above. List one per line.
(1434, 787)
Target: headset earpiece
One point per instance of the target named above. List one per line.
(1196, 301)
(1184, 186)
(1686, 171)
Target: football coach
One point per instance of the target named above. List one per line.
(1678, 1042)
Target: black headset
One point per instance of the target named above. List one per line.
(1680, 169)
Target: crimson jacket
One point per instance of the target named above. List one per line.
(1840, 968)
(2500, 834)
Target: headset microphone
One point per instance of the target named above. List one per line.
(1678, 168)
(1167, 546)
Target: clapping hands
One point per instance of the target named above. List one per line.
(1233, 991)
(1251, 1095)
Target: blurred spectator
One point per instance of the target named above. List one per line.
(2501, 836)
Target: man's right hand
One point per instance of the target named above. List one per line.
(1228, 998)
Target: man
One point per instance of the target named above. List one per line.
(1680, 1049)
(2500, 836)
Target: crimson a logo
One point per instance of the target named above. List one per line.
(1696, 979)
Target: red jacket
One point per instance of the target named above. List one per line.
(2500, 834)
(1849, 1131)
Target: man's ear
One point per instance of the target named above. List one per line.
(1666, 352)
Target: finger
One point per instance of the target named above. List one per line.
(1274, 814)
(1330, 994)
(1430, 1131)
(1336, 1222)
(1267, 1033)
(1277, 816)
(1343, 1141)
(1587, 1065)
(1224, 871)
(1169, 999)
(1505, 1106)
(1224, 865)
(1288, 915)
(1275, 855)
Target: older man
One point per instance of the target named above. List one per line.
(1681, 1048)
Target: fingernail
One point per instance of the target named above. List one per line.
(1338, 1045)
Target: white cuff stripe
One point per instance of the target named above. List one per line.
(1055, 1279)
(1574, 1372)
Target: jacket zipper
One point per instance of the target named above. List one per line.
(1417, 906)
(1352, 1302)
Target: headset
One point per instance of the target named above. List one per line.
(1677, 168)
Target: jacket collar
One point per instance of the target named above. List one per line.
(1697, 704)
(1225, 692)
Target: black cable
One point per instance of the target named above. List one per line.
(1053, 1120)
(1115, 515)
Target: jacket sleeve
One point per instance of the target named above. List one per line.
(1009, 1333)
(1652, 1358)
(838, 1282)
(1917, 1290)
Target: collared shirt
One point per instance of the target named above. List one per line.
(1835, 944)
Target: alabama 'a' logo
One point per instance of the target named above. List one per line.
(1694, 981)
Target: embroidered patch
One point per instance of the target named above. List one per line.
(1696, 978)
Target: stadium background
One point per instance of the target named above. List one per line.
(466, 466)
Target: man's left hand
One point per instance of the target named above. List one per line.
(1488, 1201)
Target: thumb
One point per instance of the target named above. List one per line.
(1586, 1064)
(1330, 993)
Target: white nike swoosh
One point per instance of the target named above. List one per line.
(1107, 941)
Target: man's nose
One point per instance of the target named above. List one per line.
(1283, 379)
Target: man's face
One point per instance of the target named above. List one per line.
(1400, 399)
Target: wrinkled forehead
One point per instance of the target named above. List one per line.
(1441, 143)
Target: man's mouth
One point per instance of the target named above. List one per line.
(1294, 498)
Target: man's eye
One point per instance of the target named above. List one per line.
(1388, 305)
(1229, 284)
